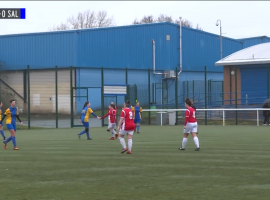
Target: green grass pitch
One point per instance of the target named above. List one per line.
(233, 164)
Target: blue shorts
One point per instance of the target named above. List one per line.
(85, 124)
(12, 126)
(137, 120)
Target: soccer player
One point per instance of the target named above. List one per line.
(190, 126)
(194, 107)
(137, 116)
(1, 125)
(12, 113)
(126, 126)
(109, 116)
(86, 111)
(112, 122)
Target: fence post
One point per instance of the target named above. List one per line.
(268, 82)
(136, 97)
(205, 94)
(71, 99)
(28, 95)
(149, 96)
(235, 84)
(222, 93)
(126, 97)
(56, 97)
(176, 97)
(193, 90)
(102, 94)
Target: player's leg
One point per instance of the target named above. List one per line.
(11, 130)
(264, 120)
(2, 132)
(135, 122)
(129, 137)
(87, 130)
(122, 133)
(138, 125)
(112, 130)
(195, 138)
(186, 132)
(13, 134)
(184, 141)
(84, 131)
(109, 124)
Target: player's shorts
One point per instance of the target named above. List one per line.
(112, 125)
(85, 124)
(12, 126)
(137, 120)
(191, 128)
(123, 132)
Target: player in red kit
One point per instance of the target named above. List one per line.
(112, 121)
(126, 126)
(109, 117)
(191, 126)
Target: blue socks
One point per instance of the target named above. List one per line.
(87, 133)
(9, 139)
(138, 128)
(2, 133)
(81, 133)
(14, 141)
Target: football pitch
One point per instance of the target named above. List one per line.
(233, 164)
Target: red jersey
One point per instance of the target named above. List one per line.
(190, 116)
(128, 122)
(112, 114)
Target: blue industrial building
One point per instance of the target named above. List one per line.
(126, 47)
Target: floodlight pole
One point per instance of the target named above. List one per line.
(219, 23)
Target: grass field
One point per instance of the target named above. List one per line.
(55, 165)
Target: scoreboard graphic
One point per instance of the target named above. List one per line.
(12, 13)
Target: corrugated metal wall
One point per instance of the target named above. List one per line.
(203, 49)
(253, 84)
(116, 47)
(130, 47)
(247, 42)
(37, 50)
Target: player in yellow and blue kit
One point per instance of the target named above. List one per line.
(12, 113)
(1, 125)
(85, 119)
(137, 116)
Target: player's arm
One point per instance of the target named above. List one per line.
(1, 122)
(141, 112)
(121, 119)
(92, 112)
(186, 116)
(17, 115)
(105, 115)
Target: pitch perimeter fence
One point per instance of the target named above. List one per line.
(53, 98)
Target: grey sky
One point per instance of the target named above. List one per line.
(239, 19)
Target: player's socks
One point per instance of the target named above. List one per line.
(88, 135)
(113, 132)
(3, 134)
(123, 142)
(14, 141)
(184, 142)
(129, 144)
(138, 128)
(8, 140)
(81, 133)
(196, 141)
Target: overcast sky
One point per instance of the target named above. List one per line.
(239, 19)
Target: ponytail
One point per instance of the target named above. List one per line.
(85, 104)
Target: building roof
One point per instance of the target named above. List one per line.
(257, 54)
